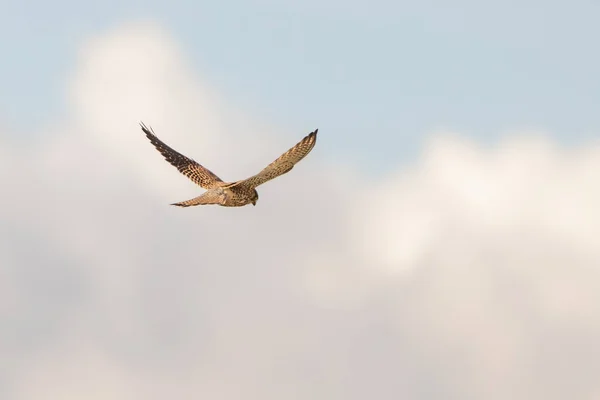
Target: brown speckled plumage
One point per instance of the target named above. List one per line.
(234, 194)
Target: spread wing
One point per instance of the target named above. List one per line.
(188, 167)
(283, 164)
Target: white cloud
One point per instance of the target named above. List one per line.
(471, 274)
(526, 186)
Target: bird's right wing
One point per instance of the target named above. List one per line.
(283, 164)
(188, 167)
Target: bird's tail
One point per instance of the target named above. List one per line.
(205, 198)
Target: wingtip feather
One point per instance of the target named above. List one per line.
(147, 130)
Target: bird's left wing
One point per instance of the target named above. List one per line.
(188, 167)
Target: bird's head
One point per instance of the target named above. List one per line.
(254, 197)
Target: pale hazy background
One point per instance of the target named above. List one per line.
(442, 241)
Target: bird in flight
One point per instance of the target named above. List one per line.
(230, 194)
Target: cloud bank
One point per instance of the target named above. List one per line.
(472, 274)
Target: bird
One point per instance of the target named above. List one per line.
(229, 194)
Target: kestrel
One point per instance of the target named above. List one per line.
(230, 194)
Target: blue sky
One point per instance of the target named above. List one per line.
(393, 71)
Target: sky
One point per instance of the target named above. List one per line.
(396, 70)
(440, 241)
